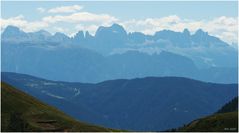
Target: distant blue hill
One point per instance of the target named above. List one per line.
(141, 104)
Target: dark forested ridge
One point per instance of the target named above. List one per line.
(141, 104)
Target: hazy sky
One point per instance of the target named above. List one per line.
(217, 18)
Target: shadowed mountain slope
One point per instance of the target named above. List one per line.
(141, 104)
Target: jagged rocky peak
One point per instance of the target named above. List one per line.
(113, 29)
(88, 35)
(14, 34)
(12, 30)
(186, 32)
(200, 32)
(60, 36)
(117, 27)
(79, 36)
(43, 32)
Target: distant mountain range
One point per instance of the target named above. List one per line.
(141, 104)
(112, 53)
(115, 36)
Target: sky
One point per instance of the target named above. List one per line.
(219, 18)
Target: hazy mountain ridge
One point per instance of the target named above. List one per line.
(116, 36)
(130, 104)
(59, 57)
(79, 64)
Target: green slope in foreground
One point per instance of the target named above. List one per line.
(225, 120)
(21, 112)
(217, 123)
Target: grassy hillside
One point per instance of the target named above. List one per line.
(230, 106)
(217, 123)
(21, 112)
(226, 119)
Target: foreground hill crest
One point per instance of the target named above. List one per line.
(23, 113)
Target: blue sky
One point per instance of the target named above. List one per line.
(218, 18)
(128, 10)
